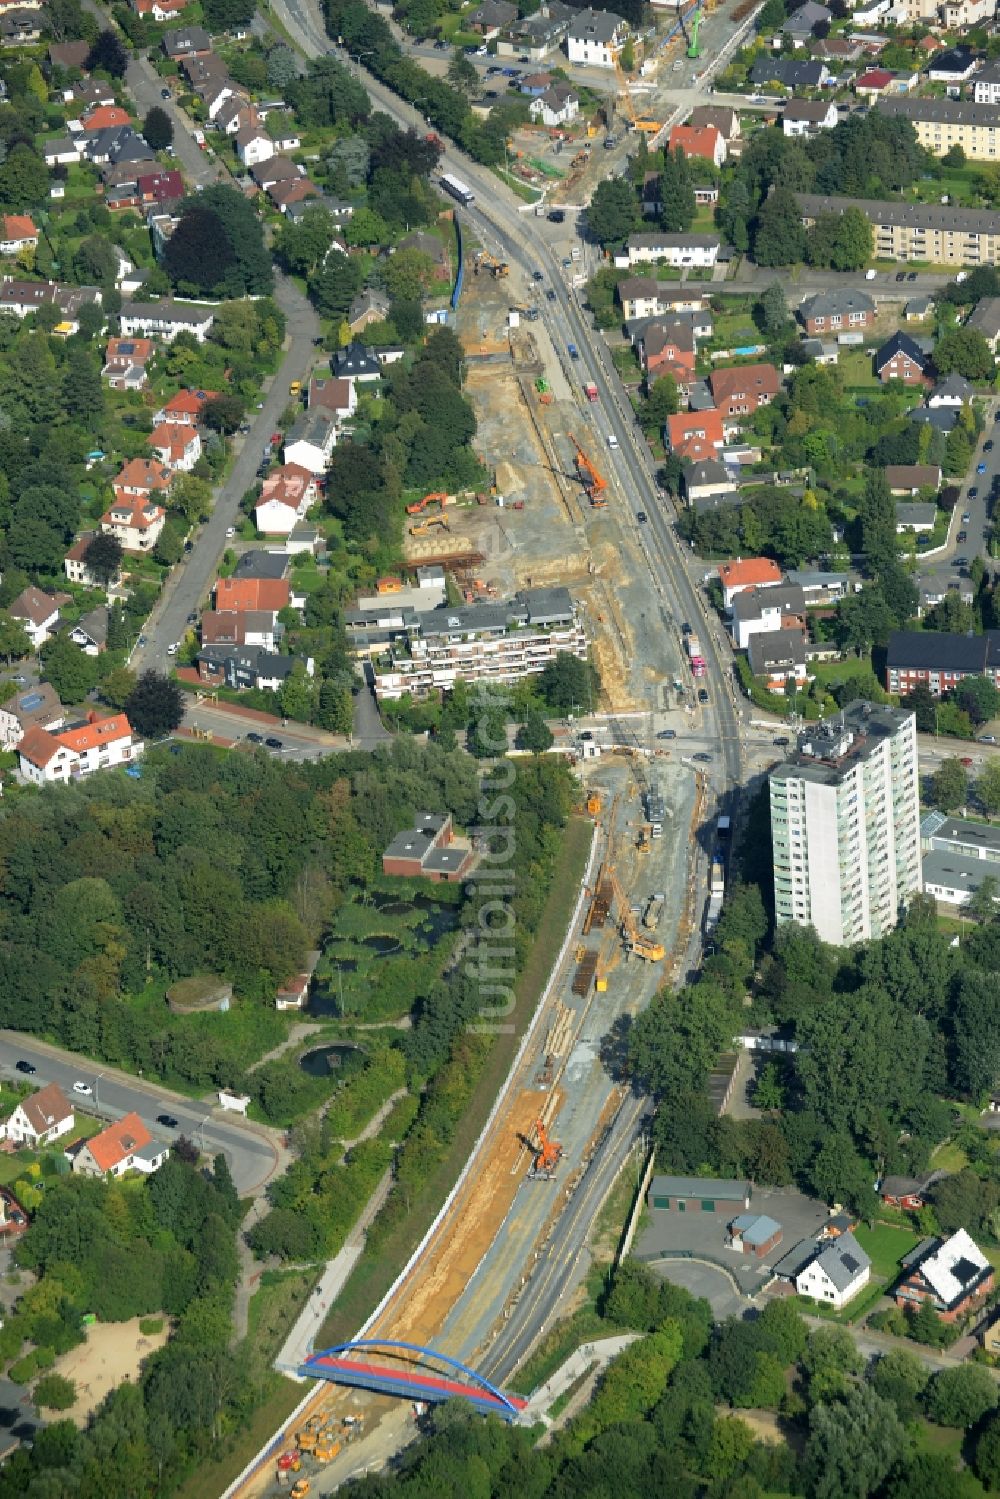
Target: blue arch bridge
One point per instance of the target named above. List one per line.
(401, 1370)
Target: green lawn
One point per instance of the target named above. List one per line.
(885, 1247)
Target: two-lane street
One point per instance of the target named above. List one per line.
(251, 1150)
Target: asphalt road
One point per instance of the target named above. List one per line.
(250, 1154)
(949, 567)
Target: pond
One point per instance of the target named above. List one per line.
(322, 1061)
(382, 945)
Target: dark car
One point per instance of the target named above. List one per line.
(912, 276)
(164, 93)
(440, 44)
(26, 1067)
(988, 446)
(192, 618)
(255, 739)
(781, 741)
(550, 295)
(685, 628)
(273, 743)
(556, 216)
(167, 1120)
(962, 537)
(537, 276)
(702, 757)
(642, 517)
(667, 734)
(702, 695)
(900, 275)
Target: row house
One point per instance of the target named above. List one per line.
(938, 660)
(917, 231)
(46, 757)
(166, 318)
(678, 250)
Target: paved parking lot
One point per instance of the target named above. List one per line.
(667, 1234)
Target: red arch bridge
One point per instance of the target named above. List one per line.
(407, 1376)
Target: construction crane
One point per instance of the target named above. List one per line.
(693, 49)
(548, 1154)
(635, 941)
(428, 525)
(429, 499)
(648, 127)
(485, 261)
(594, 483)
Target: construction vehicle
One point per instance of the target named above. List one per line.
(654, 910)
(594, 803)
(593, 482)
(693, 49)
(300, 1489)
(484, 261)
(328, 1448)
(590, 390)
(636, 122)
(635, 941)
(306, 1439)
(440, 500)
(548, 1154)
(644, 841)
(428, 525)
(289, 1462)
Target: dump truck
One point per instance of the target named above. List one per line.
(654, 910)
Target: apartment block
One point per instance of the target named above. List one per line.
(503, 642)
(918, 231)
(941, 124)
(845, 824)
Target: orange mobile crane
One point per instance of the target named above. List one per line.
(429, 499)
(594, 483)
(635, 941)
(548, 1154)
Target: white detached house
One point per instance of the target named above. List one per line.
(45, 1116)
(837, 1274)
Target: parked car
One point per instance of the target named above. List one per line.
(962, 538)
(988, 446)
(667, 734)
(900, 275)
(781, 741)
(980, 468)
(167, 1120)
(273, 743)
(550, 295)
(164, 93)
(26, 1067)
(967, 514)
(702, 757)
(255, 739)
(986, 739)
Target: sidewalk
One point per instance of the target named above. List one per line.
(590, 1358)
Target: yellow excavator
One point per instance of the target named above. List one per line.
(635, 941)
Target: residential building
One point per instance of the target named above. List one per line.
(789, 72)
(845, 820)
(160, 187)
(369, 306)
(746, 573)
(356, 362)
(823, 588)
(641, 297)
(939, 660)
(136, 521)
(837, 311)
(776, 655)
(77, 750)
(707, 479)
(40, 1118)
(704, 143)
(918, 231)
(176, 445)
(918, 518)
(961, 15)
(697, 1194)
(740, 390)
(957, 65)
(20, 27)
(311, 440)
(63, 152)
(159, 10)
(839, 49)
(942, 124)
(68, 55)
(104, 117)
(186, 42)
(840, 1270)
(952, 1274)
(242, 627)
(32, 706)
(902, 358)
(918, 308)
(21, 297)
(911, 478)
(724, 119)
(140, 478)
(594, 38)
(694, 435)
(338, 397)
(268, 594)
(558, 105)
(286, 192)
(800, 26)
(248, 665)
(985, 318)
(285, 498)
(125, 361)
(954, 390)
(496, 642)
(38, 612)
(166, 318)
(124, 1146)
(986, 84)
(90, 632)
(254, 145)
(77, 570)
(667, 348)
(17, 233)
(906, 1192)
(678, 250)
(806, 116)
(758, 611)
(537, 35)
(184, 409)
(429, 850)
(490, 18)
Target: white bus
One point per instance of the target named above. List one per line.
(457, 189)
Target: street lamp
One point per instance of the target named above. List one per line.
(97, 1096)
(201, 1130)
